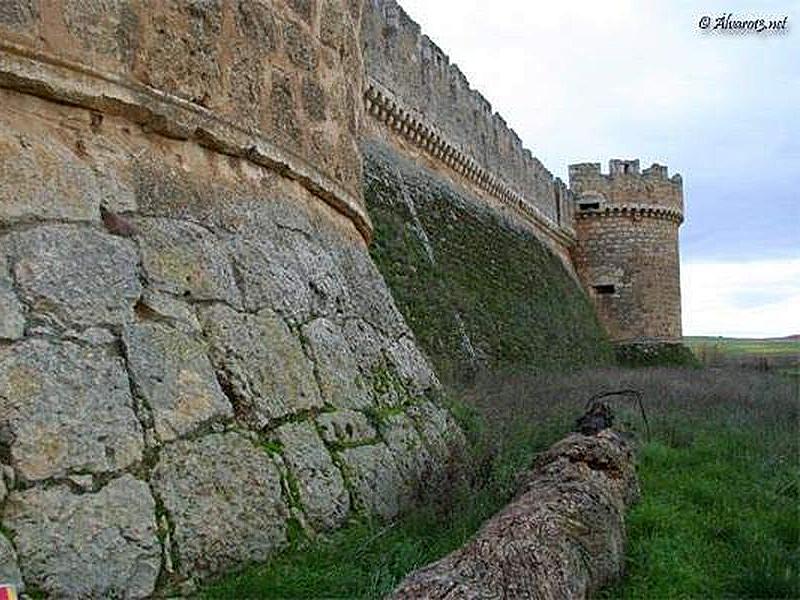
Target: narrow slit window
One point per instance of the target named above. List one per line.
(589, 205)
(605, 289)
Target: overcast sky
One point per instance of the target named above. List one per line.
(589, 81)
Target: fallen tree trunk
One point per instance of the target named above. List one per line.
(562, 537)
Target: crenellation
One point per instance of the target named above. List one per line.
(627, 223)
(618, 167)
(465, 118)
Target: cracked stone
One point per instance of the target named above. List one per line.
(76, 275)
(172, 372)
(96, 545)
(322, 493)
(339, 379)
(185, 259)
(262, 363)
(223, 495)
(66, 408)
(346, 427)
(372, 472)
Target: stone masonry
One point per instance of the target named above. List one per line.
(198, 355)
(627, 247)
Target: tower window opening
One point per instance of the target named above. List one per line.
(589, 205)
(605, 289)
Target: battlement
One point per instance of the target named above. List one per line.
(626, 187)
(416, 75)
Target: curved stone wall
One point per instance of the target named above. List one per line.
(197, 354)
(627, 249)
(277, 82)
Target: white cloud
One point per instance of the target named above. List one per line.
(741, 299)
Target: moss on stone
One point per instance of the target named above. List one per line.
(492, 297)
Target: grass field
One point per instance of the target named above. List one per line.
(719, 515)
(778, 354)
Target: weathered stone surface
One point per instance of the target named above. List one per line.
(562, 537)
(224, 497)
(186, 259)
(261, 362)
(414, 463)
(89, 545)
(75, 275)
(19, 13)
(106, 27)
(411, 366)
(339, 379)
(166, 307)
(325, 500)
(372, 473)
(442, 434)
(9, 567)
(12, 316)
(66, 408)
(291, 274)
(346, 427)
(173, 374)
(41, 177)
(366, 344)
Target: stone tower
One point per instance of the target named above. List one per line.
(626, 253)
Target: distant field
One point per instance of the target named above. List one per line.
(778, 354)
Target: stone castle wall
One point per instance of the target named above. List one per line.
(627, 249)
(198, 356)
(426, 104)
(193, 322)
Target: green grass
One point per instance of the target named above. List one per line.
(718, 518)
(780, 355)
(747, 346)
(719, 515)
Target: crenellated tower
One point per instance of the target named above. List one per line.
(626, 223)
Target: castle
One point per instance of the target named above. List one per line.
(626, 250)
(241, 244)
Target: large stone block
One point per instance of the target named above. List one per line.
(372, 473)
(261, 362)
(442, 434)
(65, 409)
(75, 275)
(101, 545)
(411, 366)
(9, 567)
(185, 259)
(223, 496)
(12, 316)
(290, 274)
(319, 483)
(414, 463)
(340, 381)
(172, 372)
